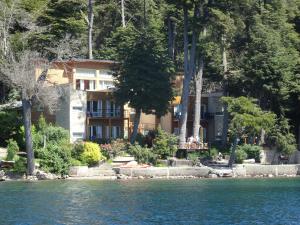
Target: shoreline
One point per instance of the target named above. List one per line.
(239, 171)
(115, 178)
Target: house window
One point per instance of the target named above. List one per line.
(95, 132)
(107, 133)
(103, 85)
(115, 132)
(77, 108)
(94, 108)
(105, 73)
(77, 135)
(85, 85)
(85, 73)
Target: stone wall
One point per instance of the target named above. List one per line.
(271, 157)
(165, 171)
(261, 170)
(84, 171)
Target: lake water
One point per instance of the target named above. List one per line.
(202, 201)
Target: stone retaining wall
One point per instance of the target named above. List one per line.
(164, 171)
(262, 170)
(269, 156)
(84, 171)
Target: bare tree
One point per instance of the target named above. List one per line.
(28, 74)
(90, 28)
(123, 13)
(6, 21)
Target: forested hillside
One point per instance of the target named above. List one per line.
(248, 47)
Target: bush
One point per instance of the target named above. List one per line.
(91, 153)
(116, 148)
(12, 149)
(56, 158)
(142, 154)
(75, 162)
(194, 157)
(20, 165)
(164, 144)
(214, 152)
(77, 150)
(286, 143)
(240, 155)
(253, 151)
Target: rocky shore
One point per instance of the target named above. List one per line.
(186, 172)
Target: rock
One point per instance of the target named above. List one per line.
(270, 175)
(132, 163)
(140, 177)
(121, 177)
(249, 161)
(31, 178)
(212, 175)
(2, 175)
(41, 175)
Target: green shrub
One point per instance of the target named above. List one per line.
(20, 164)
(253, 151)
(214, 152)
(164, 144)
(240, 155)
(12, 149)
(91, 153)
(194, 157)
(117, 147)
(142, 154)
(56, 158)
(77, 150)
(286, 143)
(75, 162)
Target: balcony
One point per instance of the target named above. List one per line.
(108, 113)
(204, 116)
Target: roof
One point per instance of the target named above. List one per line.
(89, 61)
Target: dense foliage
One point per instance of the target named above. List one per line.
(142, 154)
(12, 149)
(248, 48)
(164, 144)
(252, 151)
(91, 154)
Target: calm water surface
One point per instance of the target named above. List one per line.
(241, 201)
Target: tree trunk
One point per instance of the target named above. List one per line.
(135, 125)
(189, 69)
(123, 13)
(225, 117)
(90, 28)
(28, 138)
(198, 85)
(171, 38)
(232, 155)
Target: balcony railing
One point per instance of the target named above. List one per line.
(204, 116)
(106, 113)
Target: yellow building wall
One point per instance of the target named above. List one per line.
(166, 122)
(57, 76)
